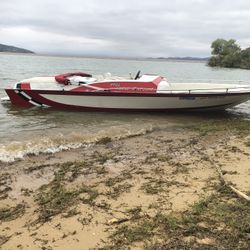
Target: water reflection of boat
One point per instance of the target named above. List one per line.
(81, 91)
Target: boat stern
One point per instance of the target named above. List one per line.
(17, 99)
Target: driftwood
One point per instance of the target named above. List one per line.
(239, 193)
(225, 182)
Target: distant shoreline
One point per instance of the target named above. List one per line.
(170, 59)
(17, 53)
(12, 50)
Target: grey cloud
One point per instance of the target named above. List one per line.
(125, 28)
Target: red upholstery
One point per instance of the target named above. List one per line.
(64, 80)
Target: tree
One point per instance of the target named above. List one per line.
(223, 47)
(226, 53)
(214, 61)
(245, 58)
(232, 60)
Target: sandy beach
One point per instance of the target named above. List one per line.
(154, 189)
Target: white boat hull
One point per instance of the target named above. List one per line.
(135, 102)
(119, 101)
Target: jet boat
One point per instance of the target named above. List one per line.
(147, 92)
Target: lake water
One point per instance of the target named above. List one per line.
(34, 131)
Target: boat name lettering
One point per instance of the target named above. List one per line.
(187, 98)
(115, 85)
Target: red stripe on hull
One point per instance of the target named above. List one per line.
(17, 100)
(137, 94)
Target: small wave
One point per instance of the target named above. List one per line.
(242, 110)
(15, 151)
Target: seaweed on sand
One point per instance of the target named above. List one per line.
(220, 221)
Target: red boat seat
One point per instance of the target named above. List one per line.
(63, 78)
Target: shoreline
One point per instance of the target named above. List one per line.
(106, 57)
(133, 191)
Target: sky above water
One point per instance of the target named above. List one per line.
(131, 28)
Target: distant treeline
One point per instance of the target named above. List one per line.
(226, 53)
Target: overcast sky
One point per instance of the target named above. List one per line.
(144, 28)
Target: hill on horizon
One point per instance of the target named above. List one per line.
(185, 58)
(13, 49)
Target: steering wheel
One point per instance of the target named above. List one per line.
(138, 75)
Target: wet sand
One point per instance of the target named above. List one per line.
(98, 195)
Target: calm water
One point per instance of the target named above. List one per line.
(25, 131)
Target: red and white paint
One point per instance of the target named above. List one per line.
(82, 92)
